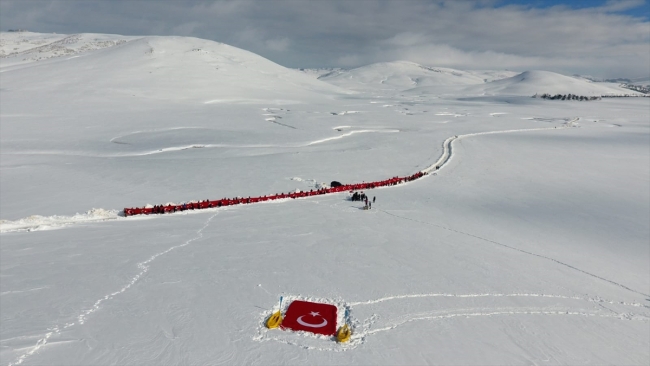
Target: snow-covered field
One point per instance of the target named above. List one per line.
(531, 245)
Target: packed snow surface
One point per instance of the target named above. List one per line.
(528, 245)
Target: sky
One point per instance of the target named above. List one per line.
(602, 38)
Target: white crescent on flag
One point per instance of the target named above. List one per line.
(311, 325)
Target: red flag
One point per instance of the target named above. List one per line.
(311, 317)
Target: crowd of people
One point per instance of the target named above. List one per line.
(360, 196)
(198, 205)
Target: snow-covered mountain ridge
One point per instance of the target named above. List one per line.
(20, 48)
(156, 67)
(400, 75)
(24, 47)
(413, 78)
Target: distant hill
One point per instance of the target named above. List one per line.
(492, 75)
(400, 75)
(634, 81)
(322, 72)
(640, 81)
(539, 82)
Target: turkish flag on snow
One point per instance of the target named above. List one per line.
(310, 317)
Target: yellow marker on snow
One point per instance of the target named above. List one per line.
(274, 320)
(344, 333)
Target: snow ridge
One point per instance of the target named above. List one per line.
(37, 222)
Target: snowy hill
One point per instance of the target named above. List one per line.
(492, 75)
(406, 75)
(162, 67)
(400, 75)
(322, 72)
(529, 83)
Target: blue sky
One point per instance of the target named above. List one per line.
(602, 38)
(641, 10)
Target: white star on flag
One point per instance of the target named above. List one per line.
(305, 316)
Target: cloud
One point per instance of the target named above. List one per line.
(464, 34)
(186, 29)
(349, 61)
(407, 39)
(278, 44)
(621, 5)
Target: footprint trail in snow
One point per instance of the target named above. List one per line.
(83, 316)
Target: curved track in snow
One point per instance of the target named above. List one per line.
(447, 144)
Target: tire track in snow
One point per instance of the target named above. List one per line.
(81, 318)
(447, 144)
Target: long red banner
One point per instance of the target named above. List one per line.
(161, 209)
